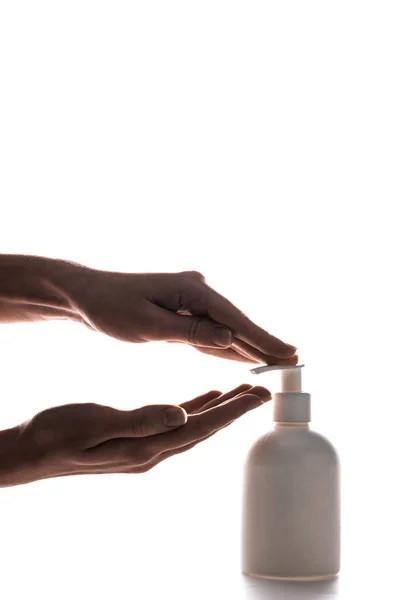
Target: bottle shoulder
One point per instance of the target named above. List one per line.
(289, 440)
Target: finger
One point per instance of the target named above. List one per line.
(202, 402)
(242, 352)
(198, 331)
(179, 450)
(202, 300)
(165, 455)
(199, 404)
(141, 422)
(116, 452)
(224, 312)
(227, 354)
(208, 421)
(255, 355)
(193, 406)
(241, 389)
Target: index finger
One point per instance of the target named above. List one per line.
(221, 310)
(201, 425)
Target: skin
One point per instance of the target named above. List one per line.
(84, 439)
(136, 308)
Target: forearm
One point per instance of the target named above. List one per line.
(34, 288)
(14, 467)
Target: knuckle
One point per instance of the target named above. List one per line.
(194, 293)
(193, 330)
(41, 444)
(39, 431)
(193, 275)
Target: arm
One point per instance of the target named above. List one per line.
(11, 463)
(135, 307)
(85, 439)
(33, 288)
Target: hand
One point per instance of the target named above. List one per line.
(82, 439)
(174, 307)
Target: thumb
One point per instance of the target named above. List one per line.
(146, 421)
(197, 331)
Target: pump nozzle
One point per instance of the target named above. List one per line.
(263, 368)
(291, 380)
(291, 403)
(290, 376)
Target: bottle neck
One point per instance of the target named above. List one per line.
(283, 424)
(292, 408)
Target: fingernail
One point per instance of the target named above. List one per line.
(292, 348)
(221, 336)
(254, 401)
(174, 417)
(265, 397)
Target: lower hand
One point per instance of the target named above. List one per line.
(78, 439)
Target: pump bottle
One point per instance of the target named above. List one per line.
(291, 496)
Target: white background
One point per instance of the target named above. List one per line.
(257, 143)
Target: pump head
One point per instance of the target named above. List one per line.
(291, 404)
(290, 376)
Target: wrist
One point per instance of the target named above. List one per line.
(39, 286)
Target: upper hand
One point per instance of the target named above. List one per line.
(174, 307)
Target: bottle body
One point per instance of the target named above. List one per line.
(291, 506)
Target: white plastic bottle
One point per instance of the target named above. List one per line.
(291, 502)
